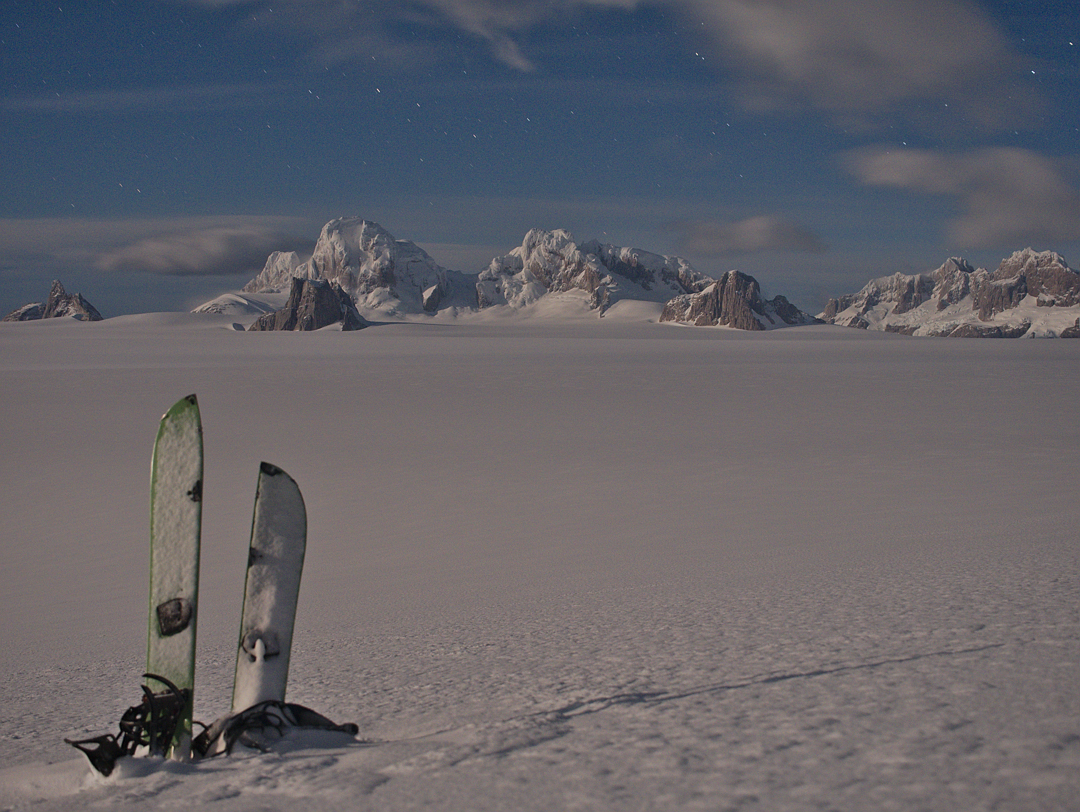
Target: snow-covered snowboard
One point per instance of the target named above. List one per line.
(275, 562)
(175, 524)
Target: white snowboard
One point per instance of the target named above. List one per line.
(275, 562)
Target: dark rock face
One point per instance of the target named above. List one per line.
(1045, 275)
(1071, 332)
(912, 292)
(952, 282)
(992, 296)
(313, 304)
(990, 331)
(59, 304)
(896, 328)
(432, 298)
(733, 301)
(28, 312)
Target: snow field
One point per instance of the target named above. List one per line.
(577, 565)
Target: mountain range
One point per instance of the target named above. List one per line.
(1031, 293)
(391, 277)
(359, 272)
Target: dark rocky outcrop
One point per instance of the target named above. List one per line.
(733, 301)
(990, 296)
(313, 304)
(60, 304)
(989, 330)
(28, 312)
(1071, 332)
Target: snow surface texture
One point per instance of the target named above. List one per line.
(565, 566)
(1032, 294)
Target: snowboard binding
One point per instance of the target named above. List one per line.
(151, 724)
(262, 722)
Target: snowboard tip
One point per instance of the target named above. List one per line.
(270, 469)
(184, 403)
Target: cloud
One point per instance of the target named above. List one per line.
(347, 30)
(1009, 196)
(216, 251)
(749, 236)
(182, 246)
(855, 55)
(851, 57)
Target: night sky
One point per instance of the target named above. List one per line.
(153, 153)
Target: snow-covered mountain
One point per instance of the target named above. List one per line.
(551, 262)
(1031, 294)
(377, 270)
(384, 275)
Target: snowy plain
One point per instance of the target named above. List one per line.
(571, 564)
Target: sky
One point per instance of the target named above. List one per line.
(153, 153)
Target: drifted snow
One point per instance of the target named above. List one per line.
(568, 565)
(237, 304)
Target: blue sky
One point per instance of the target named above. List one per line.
(153, 153)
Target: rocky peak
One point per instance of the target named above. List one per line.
(1046, 276)
(674, 274)
(60, 304)
(552, 262)
(952, 282)
(545, 262)
(734, 301)
(368, 263)
(313, 304)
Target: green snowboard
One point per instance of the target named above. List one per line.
(175, 523)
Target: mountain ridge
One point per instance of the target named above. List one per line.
(389, 276)
(1031, 293)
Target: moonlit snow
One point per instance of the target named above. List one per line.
(571, 564)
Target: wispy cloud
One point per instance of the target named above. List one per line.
(181, 98)
(218, 251)
(753, 235)
(1008, 196)
(852, 57)
(194, 246)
